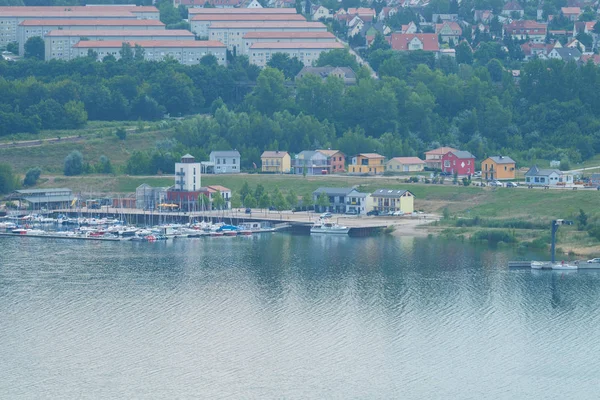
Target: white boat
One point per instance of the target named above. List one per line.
(537, 264)
(563, 266)
(257, 227)
(7, 225)
(331, 228)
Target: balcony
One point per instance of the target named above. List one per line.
(180, 182)
(180, 173)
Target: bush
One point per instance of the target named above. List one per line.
(32, 176)
(493, 236)
(73, 163)
(121, 133)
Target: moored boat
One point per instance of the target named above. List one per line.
(331, 228)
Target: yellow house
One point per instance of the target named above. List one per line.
(405, 164)
(276, 161)
(498, 167)
(388, 200)
(367, 163)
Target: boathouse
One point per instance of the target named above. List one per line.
(38, 199)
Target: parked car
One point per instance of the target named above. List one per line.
(594, 260)
(352, 212)
(398, 213)
(445, 173)
(373, 212)
(272, 208)
(511, 184)
(496, 183)
(477, 174)
(326, 215)
(248, 211)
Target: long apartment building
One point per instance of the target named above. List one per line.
(60, 43)
(242, 11)
(36, 27)
(187, 52)
(251, 38)
(201, 22)
(231, 34)
(11, 17)
(307, 52)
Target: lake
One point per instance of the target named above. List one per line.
(292, 317)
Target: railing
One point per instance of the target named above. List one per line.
(179, 173)
(180, 182)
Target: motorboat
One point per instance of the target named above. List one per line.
(564, 266)
(327, 227)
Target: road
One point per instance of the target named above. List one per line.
(39, 142)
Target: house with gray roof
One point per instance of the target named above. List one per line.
(37, 199)
(547, 177)
(225, 162)
(344, 73)
(341, 200)
(565, 53)
(310, 163)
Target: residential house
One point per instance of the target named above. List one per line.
(225, 162)
(250, 4)
(575, 44)
(276, 161)
(388, 200)
(411, 27)
(405, 164)
(341, 200)
(367, 163)
(459, 162)
(307, 52)
(336, 160)
(565, 53)
(344, 73)
(387, 12)
(586, 27)
(449, 31)
(512, 8)
(225, 194)
(317, 12)
(484, 16)
(594, 58)
(310, 163)
(433, 158)
(571, 13)
(536, 50)
(414, 41)
(547, 177)
(523, 30)
(439, 18)
(498, 167)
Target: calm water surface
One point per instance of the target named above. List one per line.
(291, 317)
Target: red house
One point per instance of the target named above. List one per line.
(461, 162)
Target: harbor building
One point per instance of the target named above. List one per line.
(38, 199)
(187, 52)
(231, 34)
(40, 27)
(59, 43)
(308, 53)
(187, 174)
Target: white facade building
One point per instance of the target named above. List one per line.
(59, 43)
(225, 162)
(187, 52)
(40, 27)
(240, 11)
(285, 37)
(199, 24)
(261, 53)
(231, 34)
(187, 174)
(11, 17)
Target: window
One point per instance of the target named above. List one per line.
(233, 161)
(224, 162)
(218, 161)
(446, 163)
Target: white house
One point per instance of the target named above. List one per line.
(547, 177)
(317, 12)
(187, 174)
(225, 162)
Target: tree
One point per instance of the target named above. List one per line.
(379, 43)
(32, 176)
(168, 13)
(270, 94)
(323, 201)
(75, 115)
(218, 201)
(139, 53)
(258, 192)
(265, 201)
(35, 48)
(13, 47)
(464, 54)
(585, 39)
(245, 190)
(597, 27)
(582, 220)
(289, 66)
(121, 133)
(126, 53)
(73, 164)
(337, 58)
(8, 181)
(279, 201)
(104, 166)
(249, 201)
(236, 202)
(292, 198)
(496, 70)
